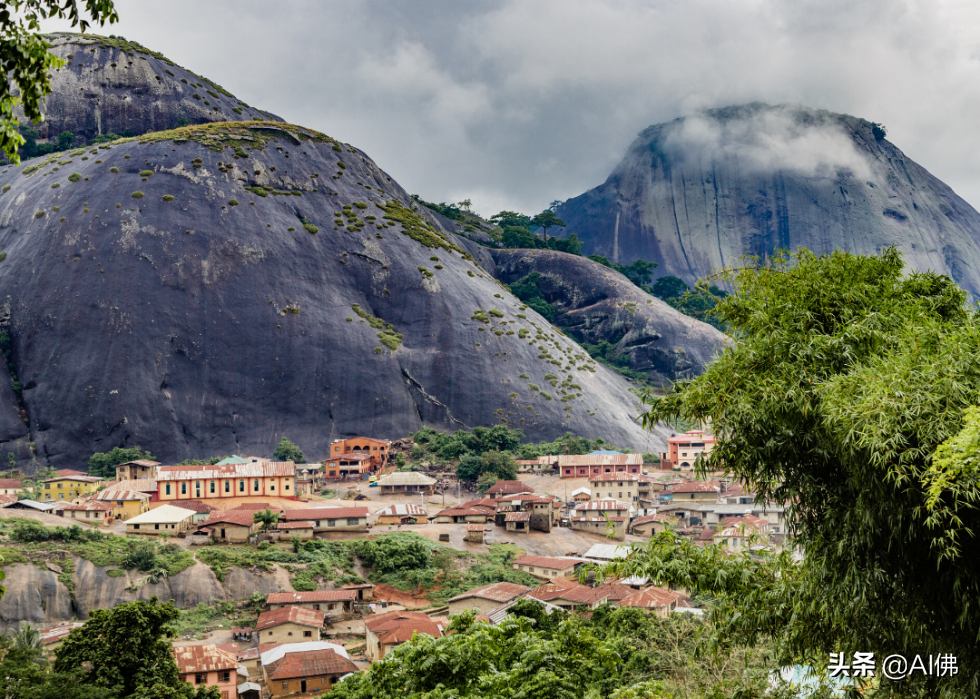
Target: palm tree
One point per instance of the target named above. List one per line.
(28, 638)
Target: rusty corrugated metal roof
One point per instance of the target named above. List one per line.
(260, 469)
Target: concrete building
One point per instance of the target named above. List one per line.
(330, 519)
(10, 486)
(583, 465)
(685, 450)
(601, 517)
(658, 600)
(252, 479)
(621, 486)
(702, 491)
(91, 511)
(475, 533)
(378, 449)
(337, 604)
(580, 495)
(406, 483)
(167, 519)
(487, 597)
(141, 469)
(503, 488)
(289, 624)
(231, 526)
(462, 514)
(408, 513)
(210, 665)
(385, 631)
(70, 487)
(297, 671)
(546, 568)
(302, 529)
(128, 503)
(650, 525)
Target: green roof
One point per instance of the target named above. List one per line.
(233, 459)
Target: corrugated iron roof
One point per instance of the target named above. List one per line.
(402, 510)
(595, 505)
(121, 494)
(205, 658)
(92, 506)
(243, 518)
(166, 514)
(260, 469)
(320, 513)
(650, 598)
(298, 524)
(517, 517)
(9, 483)
(400, 626)
(80, 479)
(495, 592)
(140, 462)
(473, 527)
(406, 478)
(696, 487)
(548, 562)
(315, 596)
(509, 487)
(290, 615)
(615, 476)
(600, 460)
(311, 663)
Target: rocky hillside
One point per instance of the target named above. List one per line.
(111, 85)
(210, 289)
(598, 303)
(696, 193)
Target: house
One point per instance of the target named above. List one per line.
(659, 600)
(289, 624)
(502, 488)
(685, 450)
(9, 486)
(475, 533)
(348, 466)
(651, 525)
(137, 470)
(144, 485)
(65, 472)
(517, 521)
(231, 526)
(603, 461)
(166, 519)
(365, 591)
(487, 597)
(379, 451)
(649, 489)
(622, 486)
(596, 517)
(538, 465)
(303, 529)
(385, 631)
(402, 482)
(209, 665)
(252, 479)
(295, 670)
(7, 500)
(702, 491)
(580, 495)
(607, 552)
(91, 511)
(739, 533)
(409, 513)
(70, 487)
(202, 510)
(539, 506)
(33, 505)
(338, 604)
(545, 567)
(569, 595)
(128, 503)
(330, 519)
(473, 515)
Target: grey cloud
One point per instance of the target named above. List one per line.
(514, 104)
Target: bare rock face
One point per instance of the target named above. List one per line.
(697, 193)
(114, 86)
(602, 304)
(211, 289)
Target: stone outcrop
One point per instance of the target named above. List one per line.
(599, 303)
(697, 193)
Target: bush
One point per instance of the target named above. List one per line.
(137, 195)
(310, 228)
(168, 197)
(146, 173)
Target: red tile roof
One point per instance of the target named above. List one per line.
(320, 513)
(475, 527)
(517, 517)
(258, 506)
(482, 502)
(91, 506)
(573, 593)
(121, 494)
(298, 524)
(309, 663)
(206, 658)
(495, 592)
(315, 596)
(658, 517)
(69, 472)
(465, 512)
(547, 562)
(650, 598)
(292, 615)
(607, 504)
(9, 483)
(696, 487)
(243, 518)
(509, 487)
(398, 627)
(200, 507)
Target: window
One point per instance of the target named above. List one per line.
(156, 526)
(59, 485)
(227, 486)
(316, 606)
(375, 448)
(212, 486)
(302, 685)
(307, 634)
(136, 526)
(353, 521)
(331, 523)
(168, 489)
(269, 634)
(241, 486)
(183, 489)
(255, 486)
(285, 686)
(224, 676)
(200, 678)
(336, 448)
(333, 473)
(287, 486)
(290, 633)
(318, 523)
(272, 487)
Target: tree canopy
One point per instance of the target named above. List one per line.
(287, 451)
(850, 398)
(104, 465)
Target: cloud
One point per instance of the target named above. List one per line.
(514, 103)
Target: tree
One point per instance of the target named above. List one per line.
(287, 451)
(27, 62)
(104, 465)
(22, 676)
(267, 518)
(465, 204)
(28, 637)
(639, 271)
(846, 397)
(545, 220)
(128, 649)
(878, 131)
(668, 287)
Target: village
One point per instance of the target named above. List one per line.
(565, 514)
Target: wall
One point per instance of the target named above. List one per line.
(314, 686)
(289, 633)
(600, 528)
(484, 605)
(233, 532)
(229, 689)
(272, 486)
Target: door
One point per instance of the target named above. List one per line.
(302, 685)
(222, 533)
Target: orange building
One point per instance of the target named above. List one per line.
(254, 479)
(210, 665)
(684, 450)
(379, 451)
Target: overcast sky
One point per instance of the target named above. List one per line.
(513, 104)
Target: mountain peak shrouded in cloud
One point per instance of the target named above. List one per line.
(697, 193)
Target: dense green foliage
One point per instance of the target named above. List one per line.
(847, 379)
(639, 271)
(500, 465)
(287, 451)
(104, 465)
(23, 675)
(127, 649)
(517, 231)
(528, 290)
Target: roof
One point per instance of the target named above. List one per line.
(495, 592)
(527, 497)
(351, 456)
(482, 502)
(297, 524)
(257, 506)
(170, 514)
(603, 451)
(121, 494)
(548, 562)
(400, 626)
(658, 517)
(614, 591)
(91, 506)
(59, 632)
(310, 663)
(597, 519)
(580, 491)
(205, 658)
(517, 517)
(34, 505)
(465, 512)
(9, 483)
(231, 460)
(271, 652)
(140, 462)
(406, 478)
(144, 485)
(317, 513)
(495, 616)
(316, 596)
(200, 507)
(696, 487)
(242, 518)
(616, 476)
(70, 472)
(595, 505)
(369, 439)
(608, 552)
(692, 436)
(614, 459)
(402, 510)
(80, 479)
(472, 527)
(573, 593)
(509, 487)
(259, 469)
(650, 598)
(290, 615)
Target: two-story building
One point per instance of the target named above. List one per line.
(386, 631)
(91, 511)
(289, 624)
(10, 486)
(547, 567)
(603, 461)
(136, 470)
(700, 491)
(70, 487)
(624, 487)
(685, 450)
(251, 479)
(128, 503)
(602, 517)
(337, 604)
(210, 665)
(378, 452)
